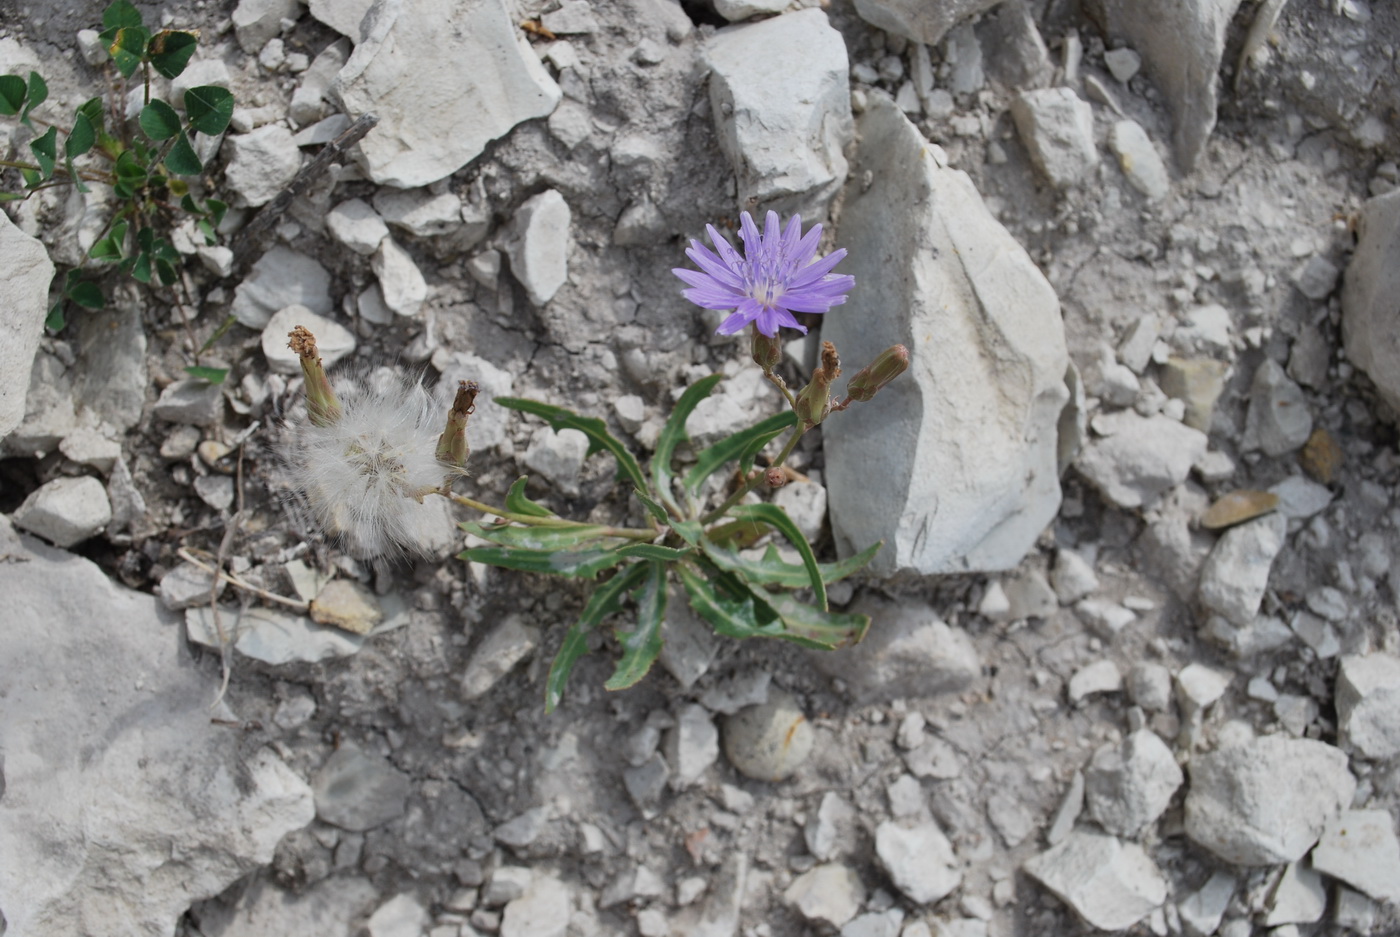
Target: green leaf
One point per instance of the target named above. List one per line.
(170, 51)
(38, 93)
(218, 333)
(595, 429)
(730, 606)
(45, 150)
(182, 159)
(542, 538)
(824, 629)
(141, 270)
(584, 564)
(110, 247)
(737, 446)
(606, 600)
(210, 108)
(673, 434)
(13, 196)
(654, 509)
(690, 531)
(159, 121)
(777, 518)
(216, 210)
(32, 177)
(642, 644)
(80, 138)
(166, 271)
(55, 321)
(119, 14)
(12, 94)
(772, 570)
(652, 551)
(212, 375)
(517, 503)
(92, 110)
(86, 294)
(128, 49)
(128, 166)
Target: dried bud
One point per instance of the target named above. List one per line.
(767, 350)
(322, 407)
(891, 363)
(452, 448)
(776, 477)
(814, 403)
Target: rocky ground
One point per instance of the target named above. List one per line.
(1134, 663)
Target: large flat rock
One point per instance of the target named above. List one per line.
(1370, 310)
(24, 294)
(953, 465)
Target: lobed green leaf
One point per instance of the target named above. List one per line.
(543, 538)
(45, 150)
(657, 512)
(170, 51)
(37, 93)
(606, 600)
(13, 91)
(159, 121)
(119, 14)
(128, 49)
(772, 570)
(729, 605)
(182, 160)
(595, 429)
(81, 138)
(742, 445)
(518, 503)
(210, 108)
(86, 294)
(823, 629)
(642, 644)
(673, 434)
(777, 518)
(583, 564)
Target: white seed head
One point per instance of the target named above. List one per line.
(370, 476)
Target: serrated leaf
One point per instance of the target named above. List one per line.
(182, 159)
(518, 503)
(86, 294)
(37, 93)
(772, 570)
(118, 14)
(212, 375)
(159, 121)
(13, 91)
(715, 457)
(595, 429)
(210, 108)
(673, 434)
(606, 600)
(128, 49)
(657, 512)
(824, 629)
(654, 551)
(170, 51)
(80, 138)
(583, 564)
(543, 538)
(777, 518)
(642, 644)
(45, 150)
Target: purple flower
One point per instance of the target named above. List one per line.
(776, 276)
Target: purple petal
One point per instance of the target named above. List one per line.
(772, 236)
(806, 248)
(813, 300)
(708, 298)
(727, 254)
(792, 235)
(706, 260)
(816, 270)
(748, 233)
(734, 323)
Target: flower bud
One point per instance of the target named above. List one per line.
(767, 350)
(814, 402)
(891, 363)
(452, 448)
(322, 407)
(775, 477)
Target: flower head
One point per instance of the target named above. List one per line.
(778, 274)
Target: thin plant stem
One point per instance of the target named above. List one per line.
(751, 483)
(559, 523)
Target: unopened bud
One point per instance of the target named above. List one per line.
(767, 350)
(814, 402)
(322, 407)
(891, 363)
(775, 477)
(452, 446)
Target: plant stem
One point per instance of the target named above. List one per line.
(529, 520)
(751, 483)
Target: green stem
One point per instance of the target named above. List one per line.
(778, 382)
(529, 520)
(752, 482)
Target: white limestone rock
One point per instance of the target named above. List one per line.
(401, 283)
(333, 340)
(344, 16)
(1110, 884)
(558, 456)
(920, 20)
(1266, 801)
(1102, 676)
(690, 746)
(779, 90)
(1298, 897)
(1057, 127)
(255, 22)
(357, 225)
(118, 815)
(1278, 420)
(737, 10)
(1139, 160)
(330, 906)
(1370, 319)
(919, 860)
(508, 644)
(280, 278)
(270, 635)
(1368, 704)
(433, 121)
(537, 243)
(1181, 45)
(1129, 785)
(66, 511)
(24, 299)
(543, 910)
(1236, 573)
(1359, 847)
(952, 465)
(259, 164)
(1134, 460)
(419, 211)
(1202, 910)
(829, 894)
